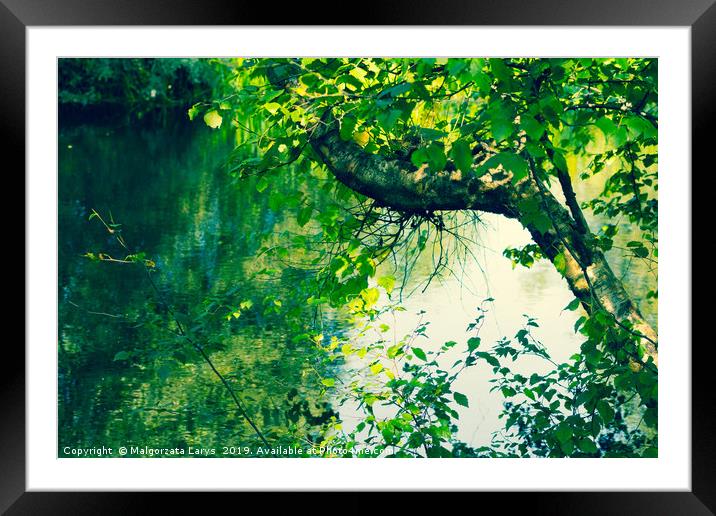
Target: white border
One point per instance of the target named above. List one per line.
(670, 471)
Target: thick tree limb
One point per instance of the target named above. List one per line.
(398, 184)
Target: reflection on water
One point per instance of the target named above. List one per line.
(176, 203)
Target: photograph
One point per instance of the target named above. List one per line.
(358, 257)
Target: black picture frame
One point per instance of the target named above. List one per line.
(17, 15)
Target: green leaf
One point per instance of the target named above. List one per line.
(431, 134)
(370, 296)
(573, 305)
(473, 343)
(531, 126)
(396, 90)
(304, 215)
(213, 119)
(559, 161)
(533, 214)
(348, 125)
(387, 119)
(461, 155)
(563, 433)
(508, 392)
(272, 107)
(607, 126)
(376, 368)
(650, 453)
(501, 115)
(605, 411)
(488, 358)
(510, 163)
(586, 445)
(560, 263)
(640, 127)
(193, 111)
(420, 354)
(350, 81)
(501, 70)
(501, 129)
(387, 282)
(328, 382)
(460, 399)
(436, 157)
(419, 157)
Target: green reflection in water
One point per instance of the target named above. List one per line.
(124, 377)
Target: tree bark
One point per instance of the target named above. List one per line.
(396, 183)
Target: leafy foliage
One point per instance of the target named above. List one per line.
(567, 120)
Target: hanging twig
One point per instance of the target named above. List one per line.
(115, 232)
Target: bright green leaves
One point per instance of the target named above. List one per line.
(262, 184)
(436, 157)
(351, 81)
(370, 296)
(328, 382)
(639, 127)
(559, 161)
(614, 135)
(563, 433)
(348, 125)
(433, 155)
(419, 156)
(388, 118)
(502, 72)
(560, 263)
(418, 352)
(487, 357)
(396, 90)
(213, 119)
(501, 115)
(462, 155)
(638, 249)
(193, 111)
(526, 255)
(272, 107)
(509, 162)
(551, 109)
(387, 282)
(531, 126)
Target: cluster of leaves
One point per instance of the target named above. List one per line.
(444, 111)
(597, 404)
(404, 391)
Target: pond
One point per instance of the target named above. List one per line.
(125, 379)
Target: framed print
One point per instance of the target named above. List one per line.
(433, 254)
